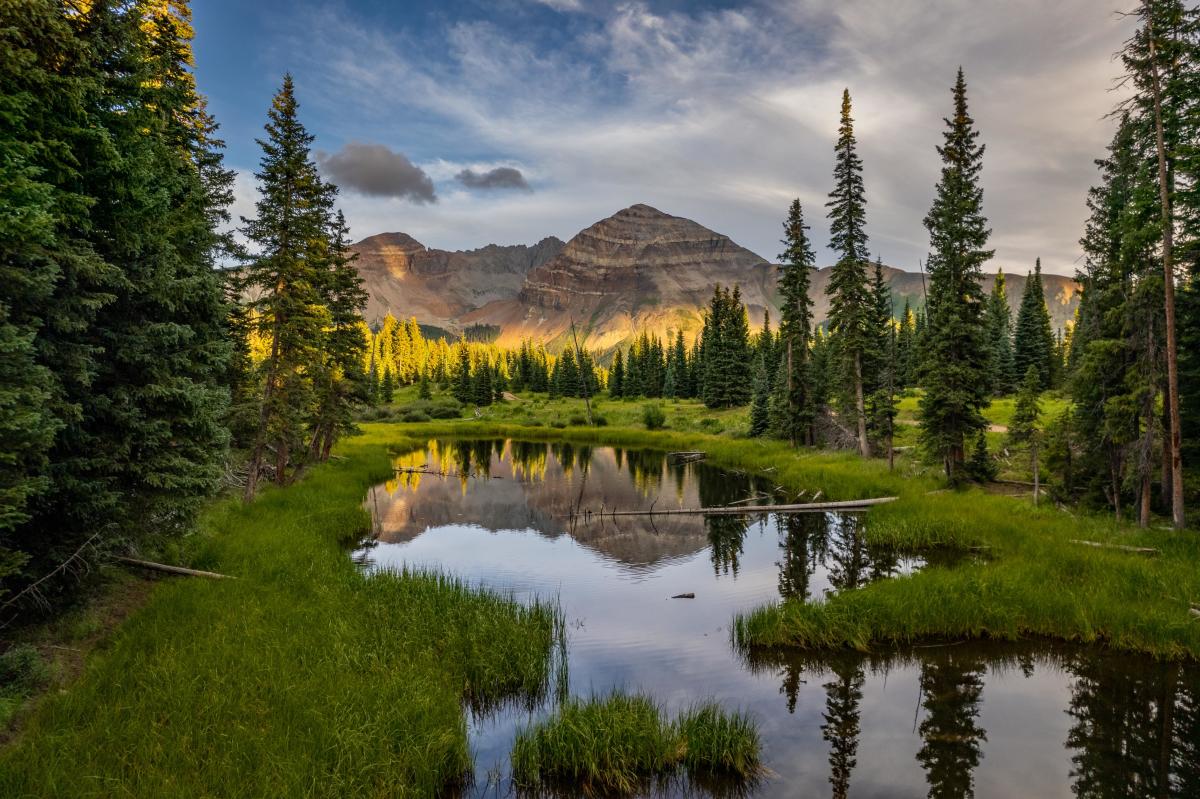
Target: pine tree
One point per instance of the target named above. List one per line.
(387, 387)
(616, 377)
(759, 413)
(1026, 415)
(423, 391)
(955, 374)
(289, 234)
(481, 385)
(1033, 341)
(906, 348)
(999, 338)
(850, 296)
(793, 410)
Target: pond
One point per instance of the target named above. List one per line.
(956, 720)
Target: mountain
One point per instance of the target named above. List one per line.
(405, 278)
(639, 269)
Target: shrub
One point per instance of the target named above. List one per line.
(599, 421)
(653, 416)
(577, 420)
(414, 416)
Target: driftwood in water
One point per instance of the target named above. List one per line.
(688, 456)
(163, 567)
(1121, 547)
(809, 507)
(688, 595)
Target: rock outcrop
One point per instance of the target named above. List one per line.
(405, 278)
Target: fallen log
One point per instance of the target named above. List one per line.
(163, 567)
(688, 595)
(1121, 547)
(809, 507)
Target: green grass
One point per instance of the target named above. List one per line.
(620, 742)
(302, 677)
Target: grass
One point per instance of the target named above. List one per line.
(620, 742)
(303, 677)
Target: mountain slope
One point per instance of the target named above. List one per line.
(639, 269)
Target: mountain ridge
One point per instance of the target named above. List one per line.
(639, 269)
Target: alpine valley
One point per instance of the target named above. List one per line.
(639, 269)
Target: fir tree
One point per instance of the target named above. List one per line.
(759, 418)
(906, 348)
(289, 234)
(999, 338)
(387, 387)
(1026, 415)
(481, 385)
(955, 377)
(850, 296)
(1033, 340)
(981, 467)
(616, 377)
(464, 390)
(793, 410)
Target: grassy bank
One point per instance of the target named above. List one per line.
(300, 678)
(1023, 575)
(619, 743)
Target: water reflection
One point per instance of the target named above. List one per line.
(941, 721)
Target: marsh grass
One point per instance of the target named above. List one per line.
(303, 677)
(620, 743)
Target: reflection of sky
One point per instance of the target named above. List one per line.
(625, 632)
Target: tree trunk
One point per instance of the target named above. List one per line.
(1144, 506)
(864, 446)
(281, 463)
(1164, 191)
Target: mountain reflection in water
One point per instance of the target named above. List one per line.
(957, 720)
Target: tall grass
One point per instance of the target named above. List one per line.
(303, 677)
(620, 743)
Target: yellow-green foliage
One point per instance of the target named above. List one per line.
(302, 677)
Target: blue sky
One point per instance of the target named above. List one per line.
(475, 122)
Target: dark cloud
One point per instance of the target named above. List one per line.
(377, 171)
(502, 177)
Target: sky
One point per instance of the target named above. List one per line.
(505, 121)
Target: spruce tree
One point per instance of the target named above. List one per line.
(616, 377)
(793, 411)
(289, 234)
(1025, 428)
(850, 296)
(423, 390)
(464, 390)
(999, 338)
(955, 375)
(340, 379)
(759, 406)
(1033, 340)
(481, 385)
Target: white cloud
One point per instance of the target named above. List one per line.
(724, 115)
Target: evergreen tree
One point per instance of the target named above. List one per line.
(981, 467)
(340, 376)
(793, 410)
(464, 390)
(759, 414)
(289, 234)
(1189, 367)
(387, 387)
(725, 351)
(850, 306)
(999, 338)
(1026, 415)
(955, 377)
(683, 371)
(616, 377)
(906, 348)
(481, 385)
(1033, 341)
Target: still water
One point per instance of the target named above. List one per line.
(942, 721)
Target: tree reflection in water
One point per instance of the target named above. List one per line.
(1135, 730)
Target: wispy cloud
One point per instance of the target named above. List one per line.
(724, 115)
